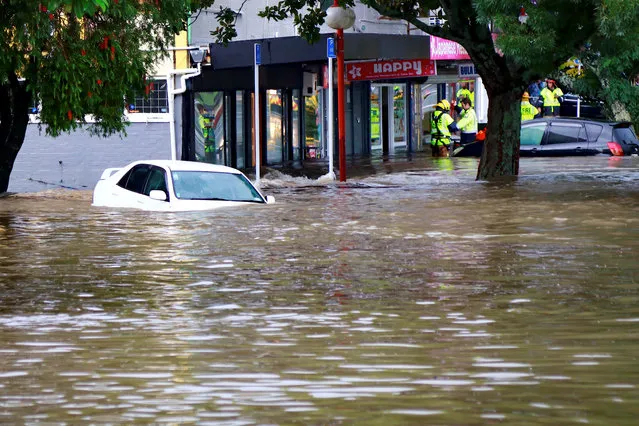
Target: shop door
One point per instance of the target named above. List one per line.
(390, 121)
(397, 122)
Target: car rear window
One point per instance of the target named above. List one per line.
(624, 134)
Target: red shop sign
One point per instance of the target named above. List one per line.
(397, 68)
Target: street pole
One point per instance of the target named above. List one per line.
(256, 100)
(331, 133)
(341, 101)
(340, 18)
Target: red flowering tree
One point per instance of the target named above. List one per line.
(75, 58)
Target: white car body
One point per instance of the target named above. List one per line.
(110, 191)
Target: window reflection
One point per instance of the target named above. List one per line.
(312, 126)
(274, 129)
(209, 127)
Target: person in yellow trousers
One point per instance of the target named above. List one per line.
(440, 129)
(552, 98)
(528, 110)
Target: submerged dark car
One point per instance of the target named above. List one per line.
(560, 136)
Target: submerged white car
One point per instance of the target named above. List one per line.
(165, 185)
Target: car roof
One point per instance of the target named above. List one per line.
(575, 119)
(177, 165)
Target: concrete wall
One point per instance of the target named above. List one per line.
(77, 160)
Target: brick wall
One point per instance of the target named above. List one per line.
(77, 160)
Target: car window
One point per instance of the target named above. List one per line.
(156, 181)
(566, 133)
(594, 131)
(122, 182)
(137, 178)
(532, 135)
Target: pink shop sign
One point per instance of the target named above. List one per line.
(442, 49)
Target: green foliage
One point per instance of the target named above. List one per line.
(84, 57)
(308, 15)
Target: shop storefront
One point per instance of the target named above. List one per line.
(387, 101)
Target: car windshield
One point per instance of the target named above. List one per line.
(202, 185)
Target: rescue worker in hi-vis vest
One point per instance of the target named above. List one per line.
(552, 96)
(467, 123)
(528, 110)
(463, 92)
(440, 130)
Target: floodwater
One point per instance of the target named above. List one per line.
(413, 297)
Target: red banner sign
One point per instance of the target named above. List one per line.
(397, 68)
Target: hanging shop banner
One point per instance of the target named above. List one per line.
(442, 49)
(467, 70)
(397, 68)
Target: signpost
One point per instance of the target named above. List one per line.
(330, 53)
(256, 100)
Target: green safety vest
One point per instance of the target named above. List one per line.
(440, 135)
(551, 97)
(468, 121)
(528, 112)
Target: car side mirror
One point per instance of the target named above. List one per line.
(156, 194)
(270, 199)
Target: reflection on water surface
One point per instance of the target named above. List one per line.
(413, 297)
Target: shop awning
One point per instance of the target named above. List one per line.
(287, 50)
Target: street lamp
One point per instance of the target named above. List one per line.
(340, 18)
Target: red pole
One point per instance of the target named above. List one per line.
(341, 101)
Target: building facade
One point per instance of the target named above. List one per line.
(395, 75)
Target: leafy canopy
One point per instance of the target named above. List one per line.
(84, 57)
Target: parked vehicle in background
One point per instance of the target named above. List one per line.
(562, 136)
(165, 185)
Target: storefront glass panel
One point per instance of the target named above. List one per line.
(274, 126)
(209, 127)
(399, 115)
(312, 126)
(239, 130)
(376, 136)
(295, 137)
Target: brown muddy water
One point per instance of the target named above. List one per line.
(413, 297)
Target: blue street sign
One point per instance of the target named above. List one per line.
(258, 54)
(330, 47)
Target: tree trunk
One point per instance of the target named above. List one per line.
(14, 118)
(619, 111)
(500, 156)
